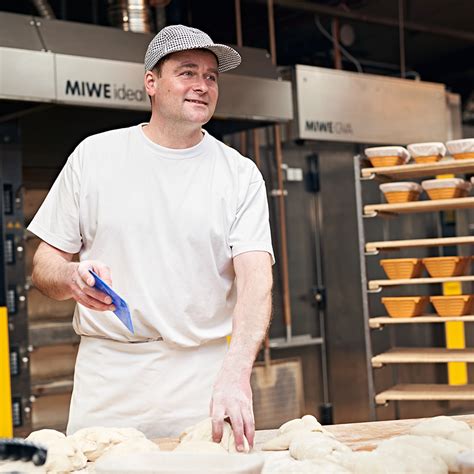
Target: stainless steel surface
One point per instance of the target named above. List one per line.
(86, 40)
(96, 82)
(17, 65)
(19, 32)
(363, 108)
(130, 15)
(95, 66)
(254, 98)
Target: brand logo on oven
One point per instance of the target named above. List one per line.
(104, 90)
(336, 128)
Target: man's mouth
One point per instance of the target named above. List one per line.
(195, 101)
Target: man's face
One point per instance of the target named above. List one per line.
(186, 91)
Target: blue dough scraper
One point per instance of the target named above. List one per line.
(121, 306)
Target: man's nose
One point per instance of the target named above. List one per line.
(200, 84)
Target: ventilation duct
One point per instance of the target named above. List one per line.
(44, 9)
(130, 15)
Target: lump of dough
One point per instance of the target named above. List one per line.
(282, 462)
(291, 429)
(464, 438)
(316, 446)
(45, 436)
(412, 458)
(64, 455)
(95, 441)
(202, 431)
(200, 447)
(130, 446)
(438, 447)
(307, 422)
(441, 426)
(364, 462)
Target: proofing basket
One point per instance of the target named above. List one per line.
(426, 159)
(443, 267)
(378, 161)
(394, 197)
(402, 268)
(464, 156)
(446, 193)
(452, 305)
(405, 306)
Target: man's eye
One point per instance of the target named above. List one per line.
(212, 78)
(187, 73)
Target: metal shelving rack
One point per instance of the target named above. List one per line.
(404, 355)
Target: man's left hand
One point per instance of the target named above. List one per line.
(232, 398)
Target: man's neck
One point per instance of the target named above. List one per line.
(171, 135)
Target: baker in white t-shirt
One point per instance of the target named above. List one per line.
(177, 223)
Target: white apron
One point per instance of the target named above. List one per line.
(149, 386)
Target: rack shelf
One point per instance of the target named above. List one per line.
(375, 285)
(380, 321)
(372, 247)
(422, 355)
(372, 210)
(411, 392)
(420, 170)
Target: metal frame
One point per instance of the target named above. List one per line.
(364, 288)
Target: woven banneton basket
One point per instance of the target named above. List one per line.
(402, 268)
(446, 193)
(379, 161)
(452, 305)
(405, 306)
(444, 267)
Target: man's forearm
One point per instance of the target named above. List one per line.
(250, 321)
(51, 271)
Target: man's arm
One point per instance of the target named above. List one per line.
(57, 276)
(232, 395)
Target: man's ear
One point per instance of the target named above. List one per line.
(150, 83)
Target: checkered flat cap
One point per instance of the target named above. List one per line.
(180, 38)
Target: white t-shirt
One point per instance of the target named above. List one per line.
(167, 222)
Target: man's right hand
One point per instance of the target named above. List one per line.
(81, 284)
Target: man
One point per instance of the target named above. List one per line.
(177, 223)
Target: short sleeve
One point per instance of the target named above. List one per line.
(250, 230)
(57, 220)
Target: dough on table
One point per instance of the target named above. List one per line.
(464, 438)
(307, 422)
(282, 442)
(200, 447)
(95, 441)
(365, 462)
(45, 436)
(64, 454)
(445, 449)
(316, 446)
(202, 431)
(282, 462)
(130, 446)
(411, 457)
(441, 426)
(292, 429)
